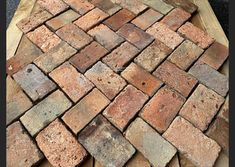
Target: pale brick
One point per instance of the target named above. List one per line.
(135, 6)
(158, 5)
(81, 6)
(106, 5)
(138, 160)
(53, 6)
(184, 4)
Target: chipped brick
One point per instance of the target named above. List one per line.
(81, 6)
(184, 4)
(158, 5)
(106, 5)
(53, 6)
(135, 6)
(224, 111)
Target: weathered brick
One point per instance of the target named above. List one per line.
(185, 55)
(175, 78)
(193, 33)
(106, 37)
(141, 79)
(185, 162)
(84, 111)
(106, 5)
(161, 32)
(184, 4)
(34, 82)
(105, 79)
(146, 140)
(88, 56)
(105, 143)
(174, 162)
(224, 111)
(135, 6)
(135, 35)
(160, 111)
(59, 146)
(73, 83)
(191, 142)
(125, 106)
(53, 6)
(21, 151)
(138, 160)
(158, 5)
(119, 57)
(153, 55)
(74, 36)
(54, 57)
(81, 6)
(91, 19)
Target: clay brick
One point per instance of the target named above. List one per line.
(34, 82)
(91, 19)
(141, 79)
(201, 107)
(21, 150)
(136, 36)
(54, 57)
(88, 56)
(119, 19)
(160, 111)
(185, 55)
(147, 19)
(106, 37)
(63, 19)
(191, 142)
(146, 140)
(184, 4)
(105, 143)
(196, 35)
(125, 106)
(73, 83)
(84, 111)
(161, 32)
(53, 6)
(134, 6)
(74, 36)
(175, 18)
(59, 146)
(45, 112)
(138, 160)
(106, 5)
(119, 57)
(105, 79)
(175, 78)
(80, 6)
(224, 111)
(153, 55)
(158, 5)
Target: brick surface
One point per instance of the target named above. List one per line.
(125, 107)
(138, 160)
(105, 79)
(135, 6)
(106, 5)
(59, 146)
(83, 112)
(190, 141)
(184, 4)
(162, 108)
(81, 6)
(224, 111)
(161, 32)
(105, 143)
(147, 141)
(53, 6)
(141, 79)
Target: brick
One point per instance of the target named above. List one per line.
(80, 6)
(59, 146)
(174, 162)
(196, 35)
(44, 38)
(21, 151)
(175, 18)
(136, 36)
(211, 78)
(34, 82)
(125, 106)
(191, 142)
(146, 140)
(184, 4)
(29, 23)
(73, 83)
(106, 37)
(88, 56)
(91, 19)
(158, 5)
(153, 55)
(74, 36)
(53, 6)
(105, 79)
(134, 6)
(224, 111)
(63, 19)
(119, 19)
(161, 32)
(147, 19)
(84, 111)
(175, 78)
(119, 57)
(54, 57)
(45, 112)
(106, 5)
(185, 162)
(105, 143)
(185, 55)
(222, 160)
(160, 111)
(138, 160)
(141, 79)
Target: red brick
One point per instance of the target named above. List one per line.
(81, 6)
(141, 79)
(125, 106)
(184, 4)
(224, 111)
(134, 6)
(175, 78)
(106, 5)
(59, 146)
(53, 6)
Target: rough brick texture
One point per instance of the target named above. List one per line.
(158, 5)
(53, 6)
(81, 6)
(184, 4)
(106, 5)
